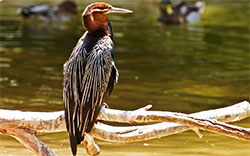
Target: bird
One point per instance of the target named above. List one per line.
(64, 11)
(90, 72)
(180, 12)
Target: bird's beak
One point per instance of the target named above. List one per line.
(119, 10)
(169, 9)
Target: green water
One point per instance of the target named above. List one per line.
(185, 68)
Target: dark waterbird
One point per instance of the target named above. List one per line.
(180, 12)
(90, 72)
(63, 11)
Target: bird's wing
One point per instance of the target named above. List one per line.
(113, 78)
(94, 86)
(74, 70)
(86, 77)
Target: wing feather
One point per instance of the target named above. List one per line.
(86, 78)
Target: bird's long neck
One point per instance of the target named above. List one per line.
(110, 30)
(95, 22)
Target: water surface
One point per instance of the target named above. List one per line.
(181, 68)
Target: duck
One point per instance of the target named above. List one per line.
(64, 11)
(90, 72)
(180, 12)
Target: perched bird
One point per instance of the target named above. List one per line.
(90, 72)
(180, 12)
(64, 11)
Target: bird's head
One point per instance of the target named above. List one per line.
(104, 8)
(166, 7)
(166, 2)
(93, 17)
(68, 6)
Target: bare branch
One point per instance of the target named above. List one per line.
(232, 113)
(139, 133)
(36, 121)
(29, 140)
(23, 125)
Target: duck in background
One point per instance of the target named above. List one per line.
(180, 12)
(65, 11)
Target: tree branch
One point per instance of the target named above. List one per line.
(23, 125)
(28, 139)
(197, 121)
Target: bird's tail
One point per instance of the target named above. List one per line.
(74, 141)
(43, 10)
(73, 144)
(201, 6)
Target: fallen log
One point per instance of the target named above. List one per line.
(24, 125)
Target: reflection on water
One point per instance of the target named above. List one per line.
(182, 68)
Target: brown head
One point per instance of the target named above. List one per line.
(94, 18)
(68, 6)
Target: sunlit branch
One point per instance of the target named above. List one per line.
(205, 120)
(24, 125)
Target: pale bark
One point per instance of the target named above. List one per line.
(205, 120)
(23, 125)
(28, 139)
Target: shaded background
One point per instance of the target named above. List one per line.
(181, 68)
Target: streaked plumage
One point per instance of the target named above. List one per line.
(180, 12)
(90, 72)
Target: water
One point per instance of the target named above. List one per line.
(185, 68)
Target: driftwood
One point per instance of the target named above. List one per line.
(24, 125)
